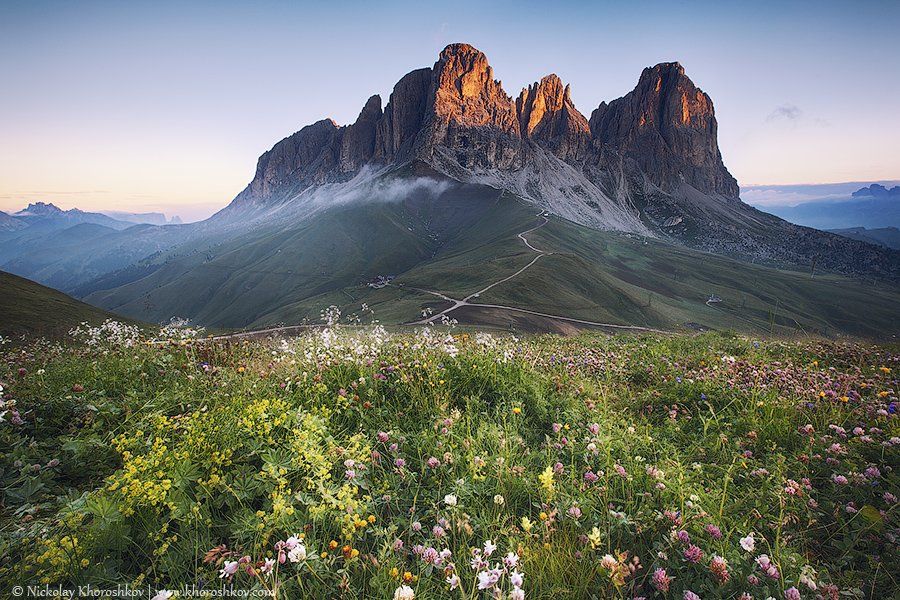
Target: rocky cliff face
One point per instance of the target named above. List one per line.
(648, 162)
(667, 127)
(547, 116)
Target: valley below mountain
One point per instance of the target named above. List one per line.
(456, 200)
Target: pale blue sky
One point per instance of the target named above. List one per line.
(166, 106)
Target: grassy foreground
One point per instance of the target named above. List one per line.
(353, 463)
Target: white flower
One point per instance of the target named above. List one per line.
(748, 543)
(511, 560)
(487, 579)
(499, 500)
(404, 592)
(517, 594)
(228, 569)
(489, 548)
(163, 595)
(450, 500)
(297, 553)
(516, 579)
(453, 580)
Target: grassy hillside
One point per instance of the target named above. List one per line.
(30, 309)
(350, 463)
(461, 241)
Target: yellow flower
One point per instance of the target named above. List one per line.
(517, 410)
(595, 536)
(527, 524)
(546, 479)
(394, 572)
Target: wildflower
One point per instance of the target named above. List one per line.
(488, 579)
(609, 562)
(404, 592)
(595, 536)
(438, 531)
(683, 536)
(516, 579)
(546, 479)
(766, 566)
(228, 569)
(689, 595)
(399, 463)
(297, 553)
(268, 566)
(511, 560)
(499, 500)
(489, 547)
(450, 500)
(430, 556)
(792, 593)
(719, 569)
(526, 524)
(713, 531)
(660, 580)
(574, 512)
(163, 595)
(453, 580)
(693, 553)
(433, 462)
(591, 477)
(748, 543)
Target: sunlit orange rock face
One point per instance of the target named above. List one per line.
(548, 117)
(470, 115)
(457, 114)
(667, 126)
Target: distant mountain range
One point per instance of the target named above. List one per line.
(873, 206)
(626, 217)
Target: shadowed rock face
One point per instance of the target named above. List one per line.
(668, 127)
(648, 162)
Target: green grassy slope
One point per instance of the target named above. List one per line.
(261, 272)
(616, 278)
(464, 239)
(28, 308)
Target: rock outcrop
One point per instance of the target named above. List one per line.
(548, 117)
(668, 128)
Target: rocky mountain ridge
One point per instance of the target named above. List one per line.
(646, 163)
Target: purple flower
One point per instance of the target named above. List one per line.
(693, 553)
(660, 580)
(713, 531)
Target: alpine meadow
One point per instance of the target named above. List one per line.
(471, 344)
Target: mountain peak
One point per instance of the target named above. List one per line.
(667, 125)
(547, 116)
(41, 208)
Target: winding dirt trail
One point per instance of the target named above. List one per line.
(457, 303)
